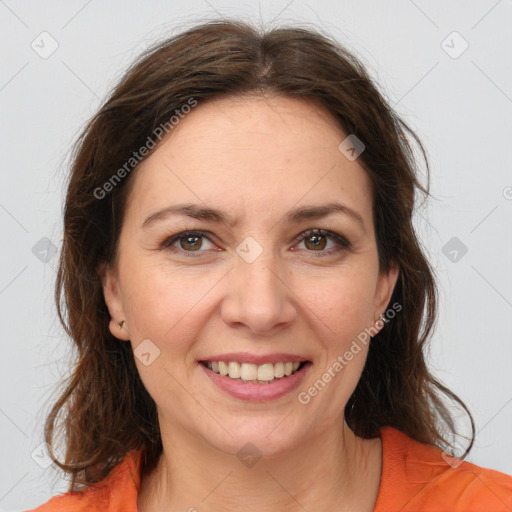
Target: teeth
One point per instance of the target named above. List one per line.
(249, 372)
(223, 368)
(234, 370)
(266, 372)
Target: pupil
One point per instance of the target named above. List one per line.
(316, 241)
(192, 244)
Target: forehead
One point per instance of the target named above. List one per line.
(252, 152)
(251, 121)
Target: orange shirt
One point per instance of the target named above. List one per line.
(415, 477)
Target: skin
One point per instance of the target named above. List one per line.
(240, 156)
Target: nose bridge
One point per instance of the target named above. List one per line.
(259, 297)
(258, 268)
(262, 273)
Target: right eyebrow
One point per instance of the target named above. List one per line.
(194, 211)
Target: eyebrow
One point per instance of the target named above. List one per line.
(295, 216)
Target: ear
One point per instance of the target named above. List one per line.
(111, 293)
(384, 290)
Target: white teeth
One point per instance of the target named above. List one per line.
(223, 368)
(249, 372)
(266, 372)
(279, 370)
(234, 370)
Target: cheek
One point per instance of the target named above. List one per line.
(342, 310)
(168, 305)
(165, 307)
(342, 303)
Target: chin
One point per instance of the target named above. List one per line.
(255, 438)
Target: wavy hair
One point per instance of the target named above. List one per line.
(107, 408)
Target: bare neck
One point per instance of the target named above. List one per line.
(331, 472)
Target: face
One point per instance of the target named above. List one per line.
(270, 276)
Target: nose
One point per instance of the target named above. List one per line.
(260, 296)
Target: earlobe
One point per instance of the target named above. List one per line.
(122, 331)
(112, 296)
(385, 287)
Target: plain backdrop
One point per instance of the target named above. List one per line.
(443, 65)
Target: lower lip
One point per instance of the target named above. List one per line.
(257, 392)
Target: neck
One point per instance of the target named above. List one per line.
(336, 470)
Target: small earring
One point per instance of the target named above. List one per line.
(383, 319)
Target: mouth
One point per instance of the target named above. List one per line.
(256, 377)
(251, 373)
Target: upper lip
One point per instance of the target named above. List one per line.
(246, 357)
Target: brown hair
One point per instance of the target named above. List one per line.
(108, 410)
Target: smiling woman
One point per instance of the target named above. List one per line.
(250, 305)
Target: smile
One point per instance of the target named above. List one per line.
(253, 373)
(249, 381)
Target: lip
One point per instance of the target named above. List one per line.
(257, 392)
(246, 357)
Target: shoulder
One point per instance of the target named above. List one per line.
(79, 501)
(117, 492)
(417, 476)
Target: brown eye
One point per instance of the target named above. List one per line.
(189, 242)
(316, 240)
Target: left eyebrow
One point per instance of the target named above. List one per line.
(295, 216)
(316, 212)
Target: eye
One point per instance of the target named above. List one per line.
(189, 242)
(315, 240)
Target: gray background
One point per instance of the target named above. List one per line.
(460, 103)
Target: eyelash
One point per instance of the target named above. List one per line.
(341, 242)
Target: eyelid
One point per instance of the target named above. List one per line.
(342, 243)
(168, 241)
(340, 240)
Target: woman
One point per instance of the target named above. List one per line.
(247, 293)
